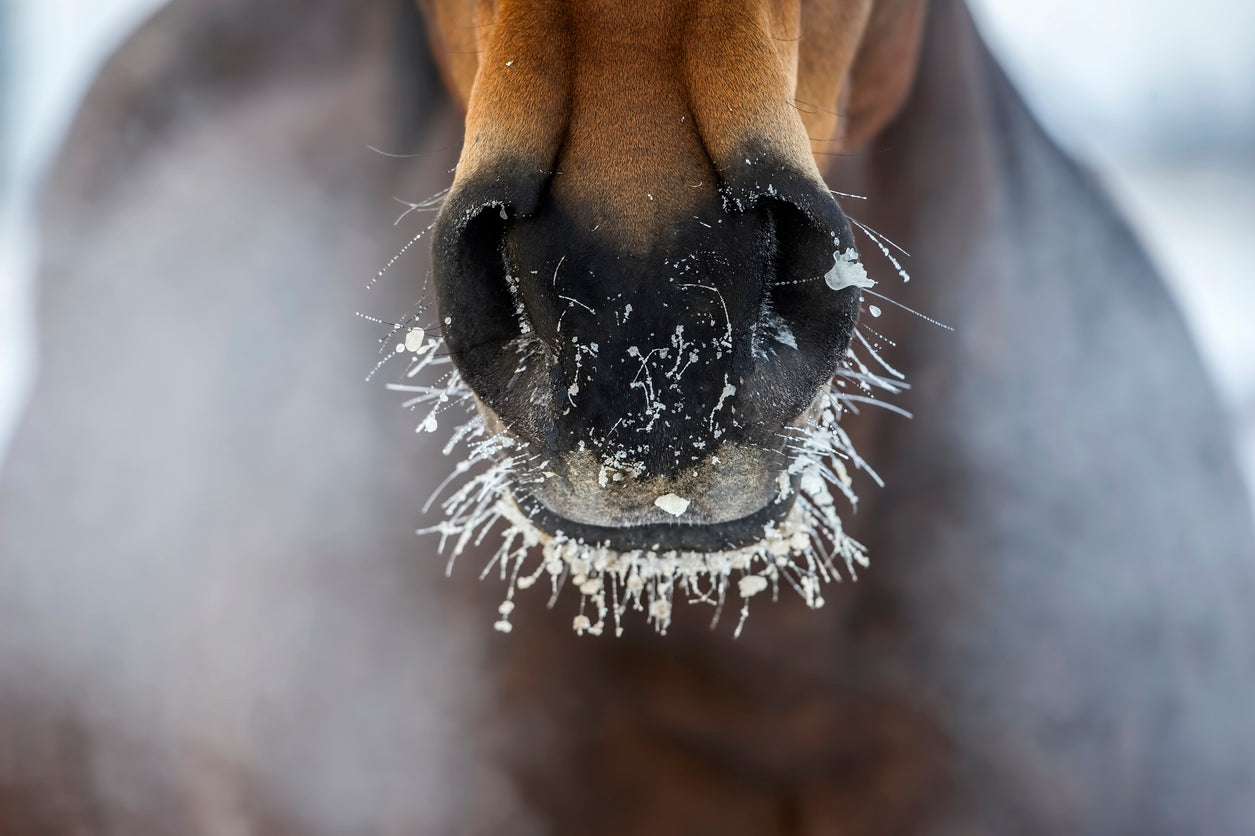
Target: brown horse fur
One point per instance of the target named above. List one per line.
(215, 618)
(559, 84)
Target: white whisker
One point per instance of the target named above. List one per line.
(908, 310)
(476, 499)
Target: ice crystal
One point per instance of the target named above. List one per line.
(804, 551)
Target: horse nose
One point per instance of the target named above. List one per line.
(718, 326)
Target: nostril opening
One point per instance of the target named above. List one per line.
(804, 325)
(796, 292)
(482, 317)
(477, 299)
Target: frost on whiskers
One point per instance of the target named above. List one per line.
(802, 552)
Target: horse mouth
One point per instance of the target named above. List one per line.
(666, 535)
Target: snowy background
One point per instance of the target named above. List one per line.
(1157, 95)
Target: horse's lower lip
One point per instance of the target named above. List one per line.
(662, 537)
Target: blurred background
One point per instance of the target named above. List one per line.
(1157, 96)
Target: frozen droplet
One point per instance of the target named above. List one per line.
(672, 504)
(812, 483)
(873, 310)
(847, 271)
(751, 585)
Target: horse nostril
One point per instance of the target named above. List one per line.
(804, 325)
(471, 278)
(480, 312)
(798, 292)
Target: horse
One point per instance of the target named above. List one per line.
(215, 616)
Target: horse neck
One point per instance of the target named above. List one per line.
(960, 180)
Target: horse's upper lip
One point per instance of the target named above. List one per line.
(663, 536)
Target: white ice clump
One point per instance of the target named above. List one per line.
(672, 504)
(751, 585)
(847, 271)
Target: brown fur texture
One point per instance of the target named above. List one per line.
(629, 99)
